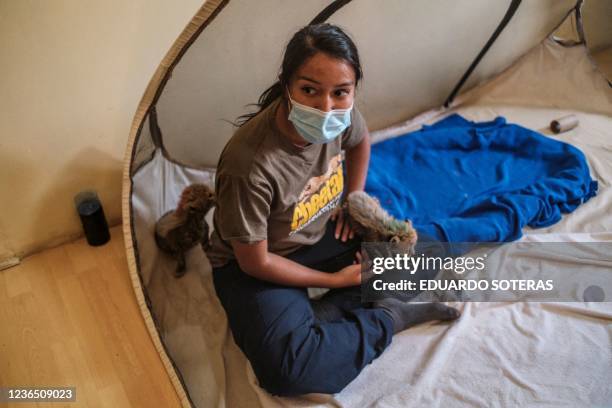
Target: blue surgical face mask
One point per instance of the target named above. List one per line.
(316, 126)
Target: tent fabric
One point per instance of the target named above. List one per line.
(477, 362)
(212, 85)
(572, 81)
(464, 181)
(520, 84)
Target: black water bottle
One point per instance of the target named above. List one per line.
(92, 217)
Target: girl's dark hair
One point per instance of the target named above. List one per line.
(308, 41)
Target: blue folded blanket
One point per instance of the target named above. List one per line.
(463, 181)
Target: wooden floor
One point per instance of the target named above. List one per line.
(68, 317)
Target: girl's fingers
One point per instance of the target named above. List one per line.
(346, 228)
(339, 224)
(345, 232)
(335, 212)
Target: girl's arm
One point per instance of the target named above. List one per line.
(255, 260)
(357, 159)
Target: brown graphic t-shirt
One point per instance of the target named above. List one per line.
(269, 188)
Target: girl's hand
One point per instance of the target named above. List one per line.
(344, 230)
(351, 275)
(348, 276)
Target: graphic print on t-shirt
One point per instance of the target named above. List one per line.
(320, 194)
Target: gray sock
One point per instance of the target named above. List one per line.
(406, 315)
(325, 311)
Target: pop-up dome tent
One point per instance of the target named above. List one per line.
(422, 60)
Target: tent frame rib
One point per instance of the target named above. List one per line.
(209, 10)
(328, 11)
(514, 5)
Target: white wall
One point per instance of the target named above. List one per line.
(72, 74)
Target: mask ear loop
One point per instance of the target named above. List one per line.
(288, 101)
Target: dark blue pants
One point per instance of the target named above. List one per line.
(291, 351)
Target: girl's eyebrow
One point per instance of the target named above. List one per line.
(309, 79)
(344, 84)
(317, 82)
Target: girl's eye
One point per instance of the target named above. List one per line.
(341, 92)
(308, 90)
